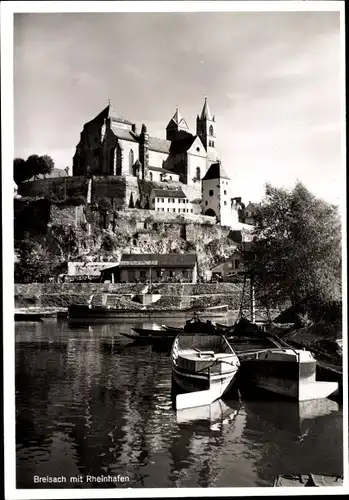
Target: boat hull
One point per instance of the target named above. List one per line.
(294, 380)
(219, 384)
(86, 313)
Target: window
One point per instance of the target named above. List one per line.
(162, 200)
(173, 209)
(153, 200)
(130, 161)
(211, 130)
(191, 210)
(212, 144)
(225, 203)
(157, 199)
(198, 173)
(151, 176)
(236, 263)
(162, 210)
(206, 203)
(225, 192)
(168, 209)
(143, 274)
(210, 192)
(170, 177)
(173, 200)
(183, 209)
(198, 150)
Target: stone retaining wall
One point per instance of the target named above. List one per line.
(65, 294)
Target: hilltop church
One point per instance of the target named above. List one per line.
(111, 145)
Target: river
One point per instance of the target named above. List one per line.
(91, 406)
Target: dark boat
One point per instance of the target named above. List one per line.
(153, 332)
(35, 316)
(28, 317)
(149, 339)
(85, 312)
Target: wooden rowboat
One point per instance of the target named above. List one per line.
(204, 366)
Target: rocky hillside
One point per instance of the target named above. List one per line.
(80, 233)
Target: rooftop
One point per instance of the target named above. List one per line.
(122, 133)
(168, 193)
(159, 169)
(182, 145)
(56, 172)
(159, 260)
(206, 113)
(215, 171)
(159, 145)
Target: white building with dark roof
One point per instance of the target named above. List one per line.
(173, 201)
(216, 195)
(153, 268)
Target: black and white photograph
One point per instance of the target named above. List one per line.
(174, 241)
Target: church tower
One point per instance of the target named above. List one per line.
(177, 127)
(216, 195)
(206, 130)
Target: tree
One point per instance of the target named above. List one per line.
(33, 165)
(40, 164)
(35, 263)
(20, 171)
(297, 247)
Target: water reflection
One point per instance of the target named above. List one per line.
(88, 402)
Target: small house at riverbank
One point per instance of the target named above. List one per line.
(153, 268)
(230, 268)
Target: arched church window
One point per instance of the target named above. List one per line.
(131, 160)
(150, 176)
(212, 144)
(198, 173)
(211, 130)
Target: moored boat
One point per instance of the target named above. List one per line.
(150, 339)
(286, 371)
(156, 330)
(300, 480)
(84, 313)
(204, 366)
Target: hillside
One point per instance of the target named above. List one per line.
(47, 235)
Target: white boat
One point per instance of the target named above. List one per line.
(204, 366)
(288, 372)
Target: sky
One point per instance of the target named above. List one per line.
(272, 80)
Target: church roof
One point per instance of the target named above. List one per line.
(122, 133)
(116, 116)
(168, 193)
(159, 145)
(182, 145)
(178, 120)
(206, 113)
(159, 169)
(215, 171)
